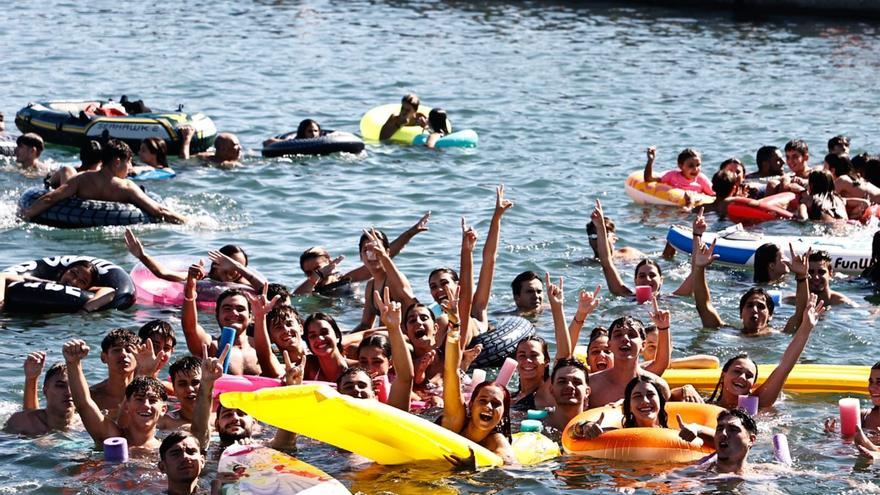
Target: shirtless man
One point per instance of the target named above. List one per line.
(182, 461)
(227, 149)
(107, 184)
(570, 387)
(118, 352)
(186, 377)
(233, 310)
(28, 148)
(770, 162)
(797, 157)
(820, 273)
(528, 293)
(141, 410)
(735, 434)
(409, 115)
(59, 414)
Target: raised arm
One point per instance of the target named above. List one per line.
(466, 284)
(697, 229)
(799, 267)
(136, 248)
(195, 335)
(401, 360)
(454, 408)
(768, 392)
(186, 134)
(362, 274)
(479, 310)
(92, 418)
(253, 277)
(397, 281)
(700, 259)
(260, 307)
(368, 315)
(649, 176)
(45, 201)
(314, 278)
(663, 356)
(587, 303)
(212, 369)
(556, 298)
(612, 276)
(33, 368)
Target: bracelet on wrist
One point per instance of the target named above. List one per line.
(189, 299)
(799, 279)
(579, 322)
(659, 329)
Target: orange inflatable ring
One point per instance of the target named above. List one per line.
(643, 444)
(658, 193)
(747, 210)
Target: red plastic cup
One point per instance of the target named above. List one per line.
(850, 415)
(644, 293)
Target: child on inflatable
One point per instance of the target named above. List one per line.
(307, 129)
(80, 274)
(688, 175)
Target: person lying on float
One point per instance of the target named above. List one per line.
(320, 268)
(233, 310)
(59, 413)
(647, 271)
(80, 274)
(408, 116)
(740, 373)
(229, 264)
(109, 183)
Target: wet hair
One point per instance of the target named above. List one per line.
(820, 182)
(609, 227)
(351, 371)
(872, 171)
(821, 190)
(186, 364)
(32, 140)
(798, 145)
(161, 328)
(159, 148)
(521, 279)
(232, 249)
(573, 363)
(303, 127)
(627, 321)
(723, 183)
(90, 154)
(412, 99)
(838, 164)
(503, 426)
(735, 160)
(174, 438)
(544, 350)
(872, 273)
(310, 254)
(115, 149)
(764, 255)
(719, 386)
(452, 273)
(145, 384)
(54, 370)
(596, 333)
(764, 153)
(379, 234)
(629, 419)
(839, 140)
(322, 317)
(412, 307)
(438, 121)
(860, 162)
(376, 340)
(275, 289)
(644, 262)
(820, 255)
(876, 366)
(119, 337)
(771, 306)
(747, 421)
(281, 313)
(227, 294)
(686, 154)
(92, 269)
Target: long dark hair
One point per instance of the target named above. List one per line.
(322, 317)
(764, 255)
(544, 350)
(305, 124)
(503, 426)
(629, 419)
(719, 387)
(159, 148)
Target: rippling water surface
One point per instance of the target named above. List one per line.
(565, 98)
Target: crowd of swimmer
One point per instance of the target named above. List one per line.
(423, 355)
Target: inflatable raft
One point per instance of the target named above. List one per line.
(747, 210)
(261, 470)
(373, 120)
(659, 445)
(461, 139)
(657, 193)
(50, 297)
(500, 342)
(154, 290)
(74, 213)
(369, 428)
(73, 123)
(804, 378)
(737, 246)
(328, 142)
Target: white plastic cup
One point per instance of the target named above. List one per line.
(780, 449)
(116, 449)
(506, 372)
(748, 403)
(850, 416)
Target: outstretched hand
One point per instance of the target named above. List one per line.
(468, 463)
(212, 367)
(33, 364)
(799, 264)
(468, 236)
(293, 372)
(261, 305)
(501, 204)
(699, 226)
(149, 362)
(389, 310)
(422, 224)
(133, 244)
(588, 301)
(197, 271)
(660, 317)
(555, 293)
(704, 256)
(598, 217)
(651, 153)
(450, 302)
(814, 310)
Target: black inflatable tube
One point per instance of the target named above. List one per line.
(500, 342)
(329, 142)
(50, 297)
(73, 213)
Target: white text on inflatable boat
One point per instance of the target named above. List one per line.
(126, 130)
(849, 264)
(51, 286)
(103, 266)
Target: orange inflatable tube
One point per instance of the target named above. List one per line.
(643, 444)
(747, 210)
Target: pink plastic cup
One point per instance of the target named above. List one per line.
(850, 416)
(644, 293)
(506, 372)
